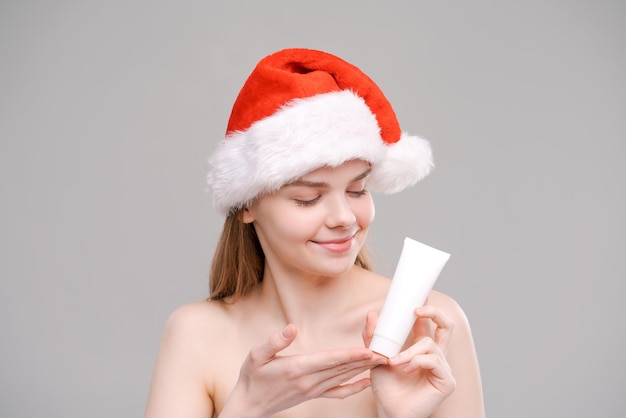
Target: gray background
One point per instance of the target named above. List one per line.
(108, 111)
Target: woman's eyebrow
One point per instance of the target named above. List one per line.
(306, 183)
(362, 175)
(320, 184)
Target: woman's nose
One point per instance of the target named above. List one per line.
(340, 213)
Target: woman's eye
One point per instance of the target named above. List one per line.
(358, 192)
(310, 202)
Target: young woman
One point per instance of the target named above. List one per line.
(293, 302)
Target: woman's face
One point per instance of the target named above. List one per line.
(317, 224)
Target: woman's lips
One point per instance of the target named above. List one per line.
(337, 245)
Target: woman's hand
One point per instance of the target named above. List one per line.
(418, 379)
(269, 383)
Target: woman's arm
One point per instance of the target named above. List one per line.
(467, 400)
(178, 386)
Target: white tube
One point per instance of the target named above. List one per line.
(416, 273)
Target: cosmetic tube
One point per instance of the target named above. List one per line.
(416, 273)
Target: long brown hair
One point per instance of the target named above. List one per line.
(239, 261)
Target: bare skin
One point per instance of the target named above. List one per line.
(296, 345)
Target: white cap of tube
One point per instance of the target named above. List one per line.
(384, 346)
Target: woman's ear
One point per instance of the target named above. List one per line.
(247, 216)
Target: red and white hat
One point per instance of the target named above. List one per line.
(300, 110)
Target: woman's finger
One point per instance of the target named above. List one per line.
(368, 330)
(436, 366)
(444, 325)
(422, 361)
(425, 345)
(422, 327)
(348, 389)
(338, 375)
(336, 367)
(323, 382)
(338, 380)
(341, 359)
(276, 343)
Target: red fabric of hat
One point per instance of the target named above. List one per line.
(299, 73)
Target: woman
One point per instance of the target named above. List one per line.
(293, 302)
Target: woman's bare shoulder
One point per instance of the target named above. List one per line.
(198, 319)
(375, 282)
(449, 306)
(182, 380)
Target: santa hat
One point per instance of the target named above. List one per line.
(303, 109)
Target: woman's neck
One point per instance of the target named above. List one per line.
(307, 301)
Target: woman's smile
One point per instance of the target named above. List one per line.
(340, 245)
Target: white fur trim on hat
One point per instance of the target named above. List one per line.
(405, 163)
(323, 130)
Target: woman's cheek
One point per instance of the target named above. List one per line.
(367, 212)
